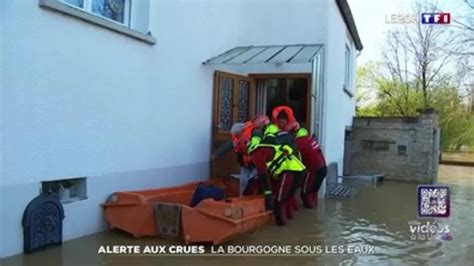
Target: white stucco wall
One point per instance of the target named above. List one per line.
(284, 22)
(2, 26)
(83, 101)
(2, 199)
(90, 91)
(86, 101)
(338, 106)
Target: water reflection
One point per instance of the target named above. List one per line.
(375, 216)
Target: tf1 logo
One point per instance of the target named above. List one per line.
(435, 18)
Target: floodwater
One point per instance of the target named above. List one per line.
(375, 216)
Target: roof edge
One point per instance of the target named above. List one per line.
(350, 23)
(249, 52)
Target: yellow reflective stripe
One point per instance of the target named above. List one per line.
(281, 161)
(287, 149)
(276, 162)
(281, 188)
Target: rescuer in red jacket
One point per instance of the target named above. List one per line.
(277, 165)
(240, 136)
(240, 148)
(284, 118)
(313, 159)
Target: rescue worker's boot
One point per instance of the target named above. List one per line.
(290, 213)
(310, 200)
(279, 211)
(294, 203)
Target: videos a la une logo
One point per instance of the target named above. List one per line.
(429, 231)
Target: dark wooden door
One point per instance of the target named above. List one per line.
(233, 102)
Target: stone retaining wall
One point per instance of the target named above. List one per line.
(400, 148)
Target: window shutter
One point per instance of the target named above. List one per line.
(140, 15)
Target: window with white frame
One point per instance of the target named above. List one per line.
(127, 17)
(116, 10)
(347, 69)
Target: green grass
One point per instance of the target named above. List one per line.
(460, 156)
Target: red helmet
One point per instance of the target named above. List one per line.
(283, 108)
(289, 114)
(260, 121)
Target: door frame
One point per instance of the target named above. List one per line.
(223, 136)
(216, 134)
(253, 90)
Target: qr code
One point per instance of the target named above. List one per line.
(433, 201)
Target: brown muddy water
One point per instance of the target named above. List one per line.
(375, 216)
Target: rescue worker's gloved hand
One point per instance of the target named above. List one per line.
(222, 150)
(260, 121)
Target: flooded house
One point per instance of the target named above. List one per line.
(99, 96)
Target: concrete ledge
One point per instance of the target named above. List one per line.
(459, 163)
(56, 5)
(372, 180)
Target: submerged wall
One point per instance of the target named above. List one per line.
(405, 149)
(83, 101)
(2, 198)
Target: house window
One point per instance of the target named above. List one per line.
(374, 145)
(347, 70)
(127, 17)
(77, 3)
(115, 10)
(402, 149)
(67, 190)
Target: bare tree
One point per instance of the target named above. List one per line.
(395, 59)
(465, 57)
(414, 57)
(462, 48)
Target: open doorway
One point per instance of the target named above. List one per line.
(238, 98)
(292, 90)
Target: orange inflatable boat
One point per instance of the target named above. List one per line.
(166, 212)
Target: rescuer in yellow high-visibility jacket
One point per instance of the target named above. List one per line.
(278, 171)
